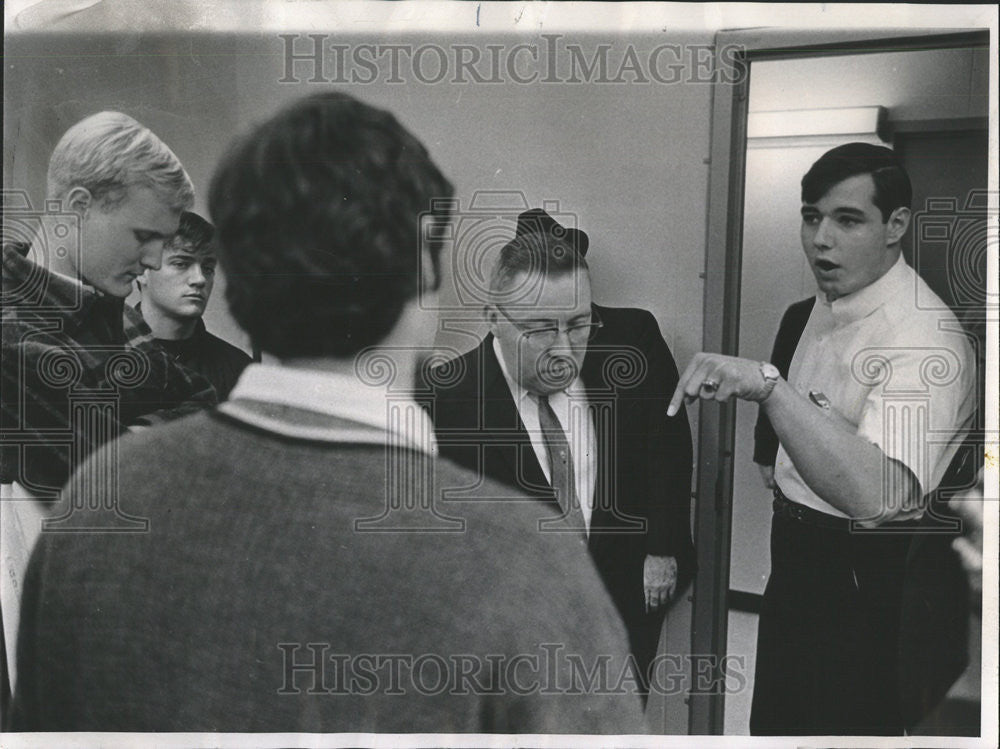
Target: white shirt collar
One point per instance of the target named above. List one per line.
(344, 397)
(518, 392)
(863, 302)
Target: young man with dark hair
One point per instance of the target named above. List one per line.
(869, 401)
(892, 188)
(305, 573)
(174, 298)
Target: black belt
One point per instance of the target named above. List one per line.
(785, 507)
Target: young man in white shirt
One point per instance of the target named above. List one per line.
(874, 404)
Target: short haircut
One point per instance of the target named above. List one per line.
(892, 183)
(194, 234)
(319, 213)
(535, 252)
(109, 152)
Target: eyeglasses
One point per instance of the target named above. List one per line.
(546, 335)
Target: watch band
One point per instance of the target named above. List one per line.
(771, 376)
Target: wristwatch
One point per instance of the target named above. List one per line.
(771, 376)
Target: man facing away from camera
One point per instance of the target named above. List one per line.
(860, 419)
(308, 577)
(174, 298)
(79, 366)
(565, 400)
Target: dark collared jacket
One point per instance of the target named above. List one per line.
(642, 495)
(78, 368)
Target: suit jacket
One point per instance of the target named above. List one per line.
(642, 495)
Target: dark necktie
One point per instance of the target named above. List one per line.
(560, 466)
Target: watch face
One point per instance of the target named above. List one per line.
(770, 371)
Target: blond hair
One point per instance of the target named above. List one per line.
(109, 152)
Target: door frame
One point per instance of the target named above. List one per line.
(734, 53)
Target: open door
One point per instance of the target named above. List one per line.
(927, 97)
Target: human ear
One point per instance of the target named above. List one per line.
(898, 223)
(78, 200)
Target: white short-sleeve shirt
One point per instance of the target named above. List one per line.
(903, 374)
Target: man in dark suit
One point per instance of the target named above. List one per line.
(605, 375)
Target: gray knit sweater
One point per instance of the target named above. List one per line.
(256, 602)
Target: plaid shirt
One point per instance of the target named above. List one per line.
(78, 368)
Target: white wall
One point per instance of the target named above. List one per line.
(627, 160)
(916, 85)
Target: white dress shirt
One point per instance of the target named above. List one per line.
(572, 409)
(903, 374)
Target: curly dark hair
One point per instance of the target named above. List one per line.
(319, 219)
(892, 183)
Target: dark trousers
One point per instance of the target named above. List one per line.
(828, 634)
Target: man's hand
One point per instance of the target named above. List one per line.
(767, 474)
(659, 577)
(718, 377)
(969, 546)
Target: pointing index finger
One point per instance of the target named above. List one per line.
(675, 402)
